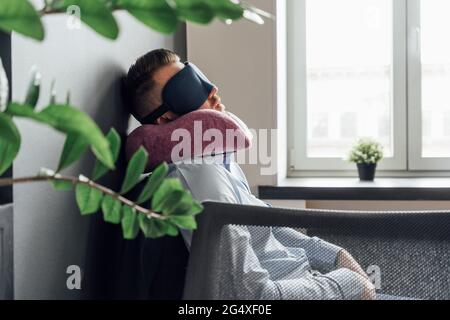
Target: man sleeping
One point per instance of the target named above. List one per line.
(260, 263)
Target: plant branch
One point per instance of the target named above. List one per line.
(75, 181)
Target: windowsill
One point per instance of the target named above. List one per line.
(387, 189)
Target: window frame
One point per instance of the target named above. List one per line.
(416, 161)
(297, 108)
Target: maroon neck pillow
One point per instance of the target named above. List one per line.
(199, 133)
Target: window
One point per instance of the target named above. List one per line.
(429, 85)
(369, 68)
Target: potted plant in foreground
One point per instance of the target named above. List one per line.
(366, 153)
(163, 206)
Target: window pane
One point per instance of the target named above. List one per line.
(349, 74)
(435, 78)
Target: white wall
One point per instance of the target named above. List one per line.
(49, 232)
(241, 60)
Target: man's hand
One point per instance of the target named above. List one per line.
(369, 291)
(345, 260)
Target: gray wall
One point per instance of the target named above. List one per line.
(241, 59)
(49, 234)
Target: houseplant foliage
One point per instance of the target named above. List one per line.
(366, 153)
(163, 206)
(161, 15)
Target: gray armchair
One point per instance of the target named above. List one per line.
(411, 250)
(6, 252)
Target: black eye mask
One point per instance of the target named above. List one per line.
(186, 92)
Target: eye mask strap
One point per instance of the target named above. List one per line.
(152, 117)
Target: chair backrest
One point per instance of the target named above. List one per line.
(410, 251)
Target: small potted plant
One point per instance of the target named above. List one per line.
(366, 153)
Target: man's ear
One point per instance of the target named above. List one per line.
(166, 118)
(162, 120)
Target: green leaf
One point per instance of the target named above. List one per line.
(25, 111)
(171, 229)
(136, 167)
(154, 182)
(115, 143)
(226, 9)
(171, 201)
(4, 88)
(96, 15)
(34, 89)
(185, 206)
(152, 228)
(62, 185)
(196, 209)
(157, 14)
(9, 142)
(20, 16)
(53, 92)
(68, 98)
(130, 223)
(8, 130)
(184, 222)
(167, 187)
(69, 120)
(198, 11)
(112, 210)
(74, 147)
(88, 199)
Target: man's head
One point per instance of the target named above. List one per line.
(146, 80)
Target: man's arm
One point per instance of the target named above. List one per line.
(345, 260)
(245, 278)
(322, 255)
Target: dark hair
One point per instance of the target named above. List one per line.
(139, 82)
